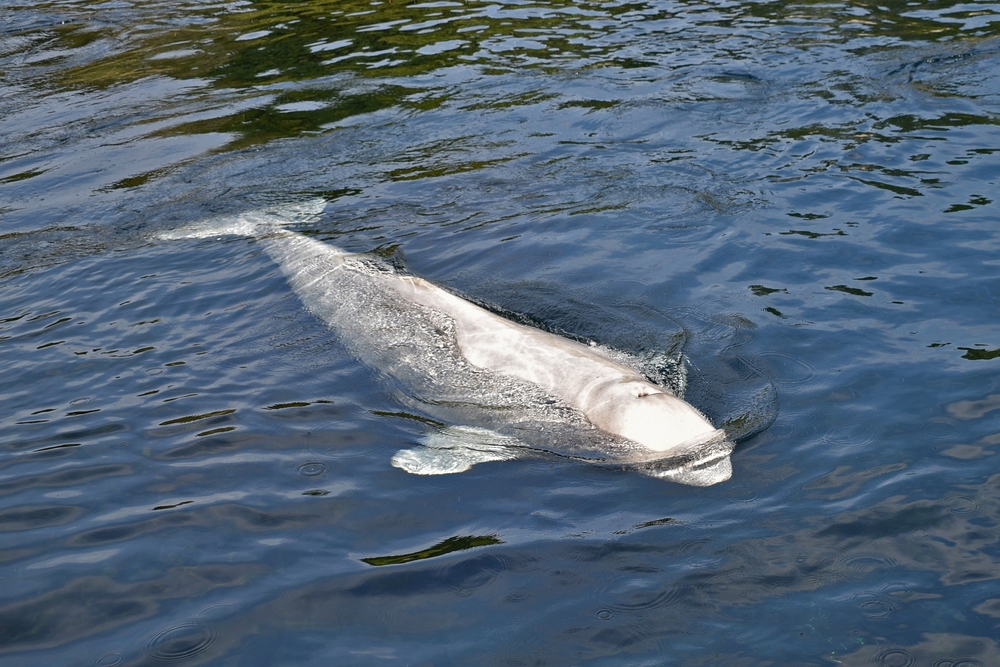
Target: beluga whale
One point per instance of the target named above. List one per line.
(501, 389)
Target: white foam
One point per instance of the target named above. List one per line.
(251, 223)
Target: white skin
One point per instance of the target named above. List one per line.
(613, 397)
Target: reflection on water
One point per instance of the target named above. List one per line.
(245, 73)
(441, 548)
(195, 470)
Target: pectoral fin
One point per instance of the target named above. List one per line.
(456, 449)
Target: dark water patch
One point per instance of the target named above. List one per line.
(846, 289)
(214, 431)
(285, 406)
(62, 446)
(845, 481)
(812, 235)
(140, 522)
(618, 638)
(93, 604)
(105, 535)
(92, 433)
(76, 413)
(13, 555)
(308, 410)
(172, 506)
(876, 525)
(206, 447)
(655, 522)
(61, 320)
(615, 550)
(248, 518)
(157, 371)
(193, 418)
(449, 545)
(30, 517)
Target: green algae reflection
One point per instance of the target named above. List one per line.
(452, 544)
(302, 67)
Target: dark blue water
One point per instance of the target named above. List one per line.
(195, 470)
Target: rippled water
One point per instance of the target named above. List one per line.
(195, 470)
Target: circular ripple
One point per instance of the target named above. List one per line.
(747, 493)
(894, 657)
(897, 590)
(109, 660)
(692, 546)
(858, 430)
(312, 469)
(218, 610)
(863, 566)
(379, 608)
(961, 504)
(967, 662)
(645, 600)
(781, 430)
(604, 614)
(872, 606)
(518, 594)
(80, 401)
(939, 428)
(787, 369)
(180, 642)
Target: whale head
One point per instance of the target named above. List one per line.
(648, 415)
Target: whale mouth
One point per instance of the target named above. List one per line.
(704, 464)
(705, 473)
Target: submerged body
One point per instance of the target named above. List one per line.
(510, 390)
(452, 355)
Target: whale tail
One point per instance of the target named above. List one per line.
(259, 222)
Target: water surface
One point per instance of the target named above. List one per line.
(195, 470)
